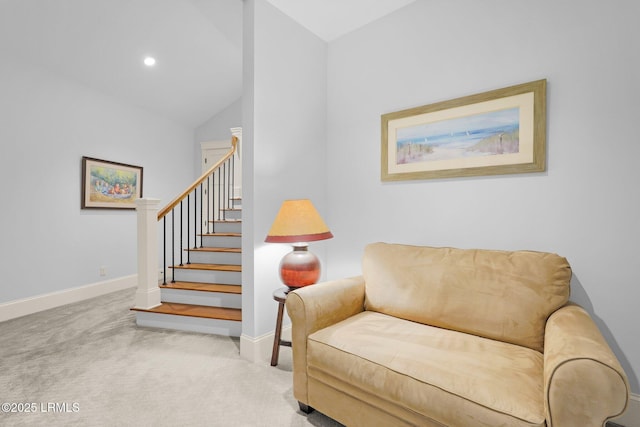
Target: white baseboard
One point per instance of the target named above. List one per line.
(631, 417)
(25, 306)
(258, 349)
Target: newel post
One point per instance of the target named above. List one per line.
(148, 295)
(237, 172)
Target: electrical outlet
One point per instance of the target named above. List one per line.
(103, 270)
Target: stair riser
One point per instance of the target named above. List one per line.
(233, 214)
(215, 258)
(227, 227)
(190, 324)
(206, 276)
(222, 241)
(211, 299)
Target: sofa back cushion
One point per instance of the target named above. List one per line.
(500, 295)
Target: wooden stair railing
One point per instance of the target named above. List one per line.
(197, 208)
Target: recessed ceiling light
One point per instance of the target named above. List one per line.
(149, 61)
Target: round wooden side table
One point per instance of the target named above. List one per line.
(280, 295)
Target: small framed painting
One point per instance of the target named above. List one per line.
(498, 132)
(110, 185)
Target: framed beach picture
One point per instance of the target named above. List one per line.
(498, 132)
(110, 185)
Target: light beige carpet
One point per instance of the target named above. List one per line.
(88, 364)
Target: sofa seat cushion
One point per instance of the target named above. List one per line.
(450, 377)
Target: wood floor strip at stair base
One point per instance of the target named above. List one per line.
(219, 313)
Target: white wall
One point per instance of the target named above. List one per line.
(217, 128)
(284, 134)
(48, 123)
(585, 206)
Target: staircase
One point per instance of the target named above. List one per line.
(201, 280)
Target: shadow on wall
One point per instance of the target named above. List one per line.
(579, 296)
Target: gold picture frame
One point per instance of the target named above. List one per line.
(498, 132)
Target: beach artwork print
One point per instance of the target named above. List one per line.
(492, 133)
(109, 184)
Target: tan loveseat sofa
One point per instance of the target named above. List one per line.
(451, 337)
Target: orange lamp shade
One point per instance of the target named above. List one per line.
(298, 221)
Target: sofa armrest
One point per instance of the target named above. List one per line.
(584, 384)
(313, 308)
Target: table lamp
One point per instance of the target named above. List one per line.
(298, 222)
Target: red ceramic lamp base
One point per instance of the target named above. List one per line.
(299, 267)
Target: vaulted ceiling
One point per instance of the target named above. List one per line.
(197, 45)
